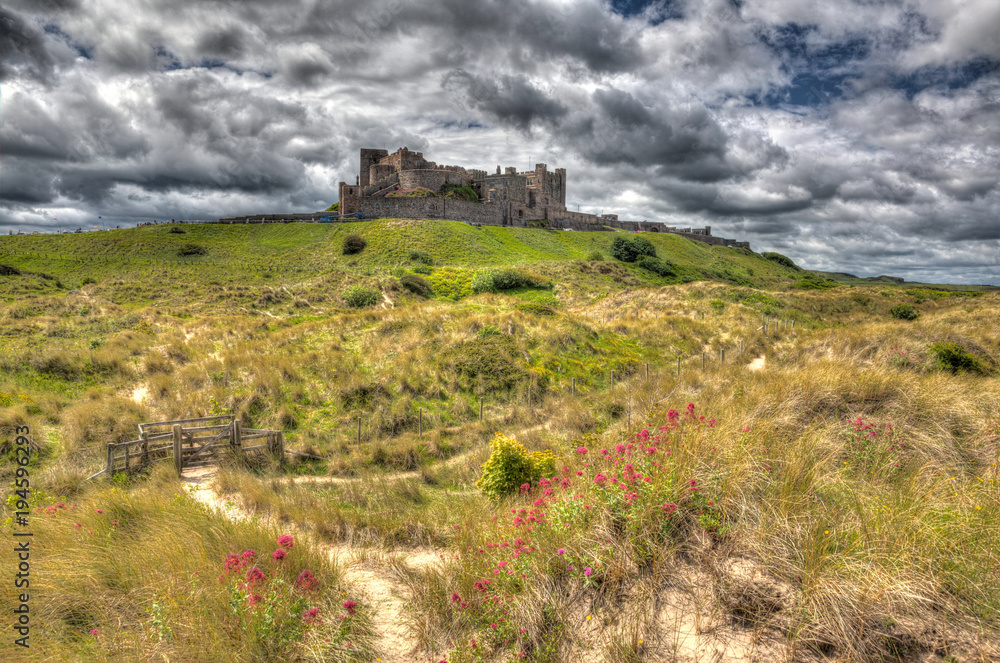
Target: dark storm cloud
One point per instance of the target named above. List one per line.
(230, 42)
(22, 48)
(511, 100)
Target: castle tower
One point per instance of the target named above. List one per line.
(368, 158)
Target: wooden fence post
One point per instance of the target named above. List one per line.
(703, 359)
(741, 346)
(420, 422)
(238, 440)
(359, 430)
(109, 470)
(145, 450)
(480, 409)
(647, 370)
(178, 459)
(279, 447)
(574, 386)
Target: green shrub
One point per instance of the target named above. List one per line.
(784, 261)
(488, 330)
(191, 249)
(7, 270)
(360, 296)
(655, 265)
(416, 284)
(420, 256)
(717, 304)
(87, 280)
(629, 250)
(498, 280)
(643, 247)
(334, 207)
(176, 230)
(954, 357)
(422, 269)
(595, 255)
(511, 466)
(622, 249)
(904, 312)
(354, 243)
(536, 308)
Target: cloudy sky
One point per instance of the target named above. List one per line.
(852, 136)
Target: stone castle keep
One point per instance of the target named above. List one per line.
(405, 185)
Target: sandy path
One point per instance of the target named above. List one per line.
(365, 570)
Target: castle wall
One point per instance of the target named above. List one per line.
(429, 179)
(431, 208)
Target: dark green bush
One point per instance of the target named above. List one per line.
(784, 261)
(629, 250)
(643, 247)
(655, 265)
(191, 249)
(176, 230)
(422, 269)
(354, 243)
(420, 256)
(416, 284)
(904, 312)
(498, 280)
(954, 357)
(360, 296)
(622, 249)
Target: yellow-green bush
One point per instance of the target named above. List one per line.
(510, 465)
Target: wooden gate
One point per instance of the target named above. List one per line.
(191, 443)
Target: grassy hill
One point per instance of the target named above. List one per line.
(832, 493)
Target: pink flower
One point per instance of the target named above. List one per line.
(114, 523)
(286, 541)
(254, 576)
(100, 511)
(232, 561)
(311, 616)
(76, 525)
(279, 554)
(561, 551)
(94, 631)
(600, 478)
(306, 581)
(588, 572)
(350, 606)
(455, 598)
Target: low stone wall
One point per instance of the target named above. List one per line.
(431, 208)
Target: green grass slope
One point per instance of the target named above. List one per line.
(287, 253)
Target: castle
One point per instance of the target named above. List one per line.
(405, 185)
